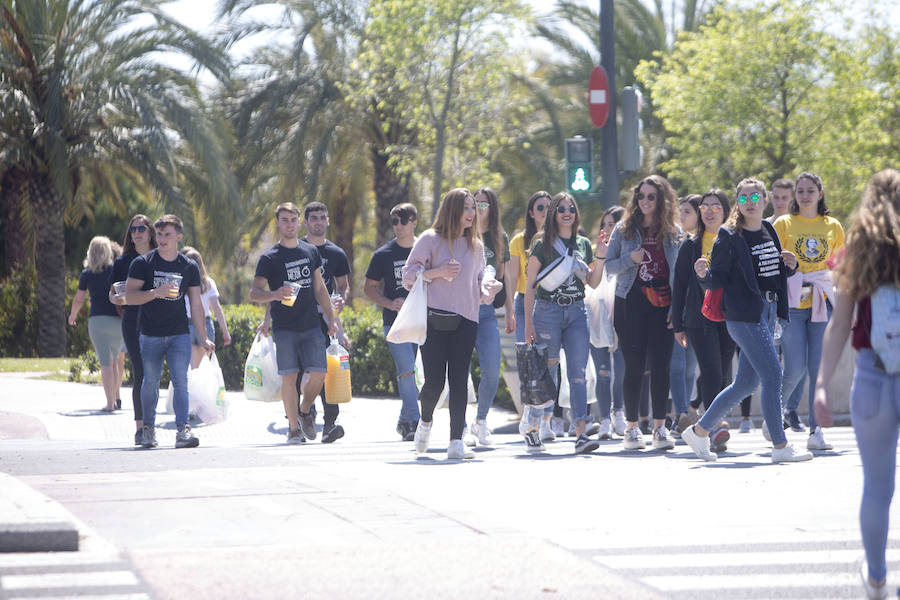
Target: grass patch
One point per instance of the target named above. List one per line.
(22, 365)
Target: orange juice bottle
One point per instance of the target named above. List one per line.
(337, 378)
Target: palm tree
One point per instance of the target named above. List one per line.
(81, 97)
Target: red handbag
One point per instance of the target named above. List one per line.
(712, 305)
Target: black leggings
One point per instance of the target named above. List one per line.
(445, 351)
(714, 349)
(133, 346)
(645, 339)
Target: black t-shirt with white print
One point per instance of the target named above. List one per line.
(164, 317)
(334, 263)
(387, 265)
(279, 264)
(766, 259)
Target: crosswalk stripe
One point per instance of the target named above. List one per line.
(45, 559)
(734, 559)
(58, 580)
(684, 583)
(111, 596)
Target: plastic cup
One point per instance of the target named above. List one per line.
(295, 289)
(176, 279)
(119, 288)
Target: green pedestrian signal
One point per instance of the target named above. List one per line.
(579, 165)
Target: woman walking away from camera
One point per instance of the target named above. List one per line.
(813, 236)
(608, 362)
(642, 254)
(140, 238)
(487, 340)
(555, 314)
(209, 295)
(750, 267)
(104, 323)
(710, 339)
(450, 256)
(868, 272)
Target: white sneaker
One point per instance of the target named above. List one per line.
(467, 438)
(873, 592)
(746, 426)
(558, 426)
(789, 454)
(662, 440)
(481, 432)
(457, 450)
(547, 434)
(634, 439)
(700, 445)
(423, 434)
(523, 422)
(765, 430)
(816, 441)
(619, 425)
(605, 432)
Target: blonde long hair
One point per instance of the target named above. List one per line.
(194, 255)
(872, 247)
(446, 223)
(99, 255)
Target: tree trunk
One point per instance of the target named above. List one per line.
(51, 267)
(390, 190)
(17, 239)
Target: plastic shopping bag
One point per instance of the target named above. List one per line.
(411, 324)
(536, 387)
(445, 395)
(211, 404)
(261, 379)
(590, 379)
(599, 302)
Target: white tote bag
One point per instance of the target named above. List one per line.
(411, 324)
(599, 302)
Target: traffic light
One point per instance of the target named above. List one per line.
(579, 164)
(632, 128)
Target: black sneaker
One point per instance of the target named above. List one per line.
(148, 437)
(332, 433)
(792, 419)
(138, 437)
(118, 404)
(184, 438)
(533, 443)
(407, 431)
(308, 425)
(669, 422)
(646, 429)
(584, 444)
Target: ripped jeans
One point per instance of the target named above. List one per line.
(566, 327)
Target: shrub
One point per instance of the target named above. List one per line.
(86, 362)
(371, 363)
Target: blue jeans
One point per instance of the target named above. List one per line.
(176, 350)
(758, 361)
(566, 327)
(519, 304)
(603, 359)
(801, 346)
(487, 344)
(681, 376)
(875, 410)
(405, 361)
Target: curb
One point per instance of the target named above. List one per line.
(32, 522)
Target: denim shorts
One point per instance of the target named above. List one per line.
(210, 331)
(297, 351)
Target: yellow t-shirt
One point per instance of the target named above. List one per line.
(517, 249)
(708, 240)
(814, 241)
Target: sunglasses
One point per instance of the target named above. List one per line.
(562, 209)
(400, 221)
(650, 197)
(754, 198)
(482, 205)
(540, 207)
(710, 207)
(138, 228)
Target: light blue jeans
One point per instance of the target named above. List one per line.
(405, 360)
(566, 327)
(801, 347)
(758, 361)
(682, 372)
(519, 304)
(487, 344)
(875, 410)
(603, 359)
(176, 350)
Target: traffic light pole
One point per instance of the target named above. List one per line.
(609, 150)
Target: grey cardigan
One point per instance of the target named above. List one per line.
(618, 262)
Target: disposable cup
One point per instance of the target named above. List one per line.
(295, 289)
(176, 279)
(119, 288)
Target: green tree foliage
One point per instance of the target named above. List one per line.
(766, 91)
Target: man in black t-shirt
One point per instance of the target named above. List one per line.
(385, 269)
(288, 277)
(157, 282)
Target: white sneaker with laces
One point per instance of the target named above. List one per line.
(547, 434)
(746, 426)
(523, 422)
(423, 435)
(467, 438)
(662, 440)
(816, 441)
(634, 439)
(700, 445)
(558, 426)
(457, 450)
(481, 432)
(619, 424)
(873, 592)
(605, 432)
(789, 454)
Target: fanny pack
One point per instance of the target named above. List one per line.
(657, 294)
(442, 320)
